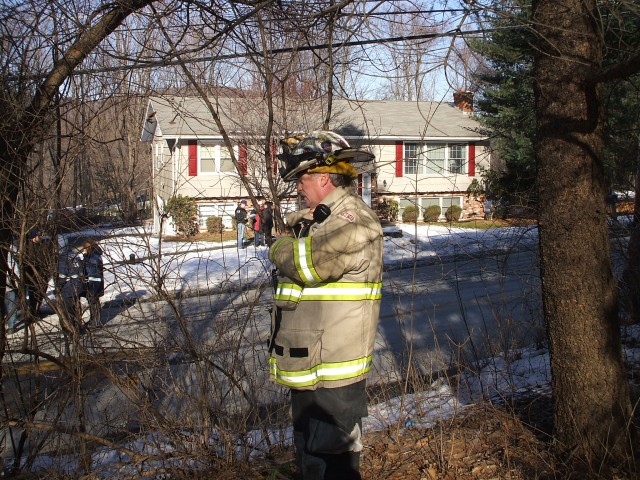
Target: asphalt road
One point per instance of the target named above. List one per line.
(430, 312)
(433, 317)
(212, 348)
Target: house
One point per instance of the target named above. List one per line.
(427, 153)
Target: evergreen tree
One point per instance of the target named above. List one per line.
(621, 24)
(505, 101)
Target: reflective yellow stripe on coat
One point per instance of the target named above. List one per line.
(304, 263)
(321, 372)
(336, 291)
(288, 292)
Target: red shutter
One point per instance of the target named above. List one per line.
(242, 160)
(472, 160)
(193, 157)
(399, 157)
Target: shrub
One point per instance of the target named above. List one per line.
(432, 213)
(475, 188)
(453, 213)
(388, 210)
(215, 225)
(410, 214)
(184, 213)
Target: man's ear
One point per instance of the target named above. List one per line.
(324, 179)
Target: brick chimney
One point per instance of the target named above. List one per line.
(463, 100)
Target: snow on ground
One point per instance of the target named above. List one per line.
(197, 266)
(190, 267)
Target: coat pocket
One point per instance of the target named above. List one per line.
(298, 351)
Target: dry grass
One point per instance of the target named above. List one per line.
(485, 442)
(480, 224)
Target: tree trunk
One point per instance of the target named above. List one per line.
(591, 396)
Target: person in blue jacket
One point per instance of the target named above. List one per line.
(93, 279)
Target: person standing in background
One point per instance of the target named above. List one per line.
(11, 307)
(70, 289)
(93, 267)
(36, 271)
(241, 222)
(258, 235)
(267, 223)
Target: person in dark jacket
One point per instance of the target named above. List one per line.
(70, 289)
(266, 218)
(36, 270)
(93, 276)
(240, 215)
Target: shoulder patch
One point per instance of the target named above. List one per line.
(348, 216)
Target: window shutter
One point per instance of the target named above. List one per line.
(192, 146)
(242, 158)
(399, 157)
(472, 160)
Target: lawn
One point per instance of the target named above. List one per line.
(479, 224)
(482, 224)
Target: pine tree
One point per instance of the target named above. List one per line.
(505, 100)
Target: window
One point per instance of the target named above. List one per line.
(214, 159)
(224, 210)
(435, 159)
(412, 162)
(403, 203)
(448, 201)
(457, 158)
(423, 203)
(427, 202)
(226, 164)
(208, 158)
(443, 202)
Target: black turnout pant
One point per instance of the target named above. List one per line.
(327, 425)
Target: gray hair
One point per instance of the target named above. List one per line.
(339, 180)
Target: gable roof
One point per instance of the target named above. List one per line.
(189, 117)
(407, 120)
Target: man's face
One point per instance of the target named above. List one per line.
(310, 186)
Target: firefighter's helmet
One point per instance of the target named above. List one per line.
(320, 151)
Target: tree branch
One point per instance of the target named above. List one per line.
(618, 71)
(82, 47)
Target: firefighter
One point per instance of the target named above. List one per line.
(93, 277)
(327, 303)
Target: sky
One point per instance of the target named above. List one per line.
(194, 266)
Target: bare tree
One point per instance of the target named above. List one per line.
(19, 136)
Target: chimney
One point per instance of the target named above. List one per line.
(463, 100)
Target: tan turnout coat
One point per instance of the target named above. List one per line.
(328, 297)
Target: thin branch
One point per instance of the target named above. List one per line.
(618, 71)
